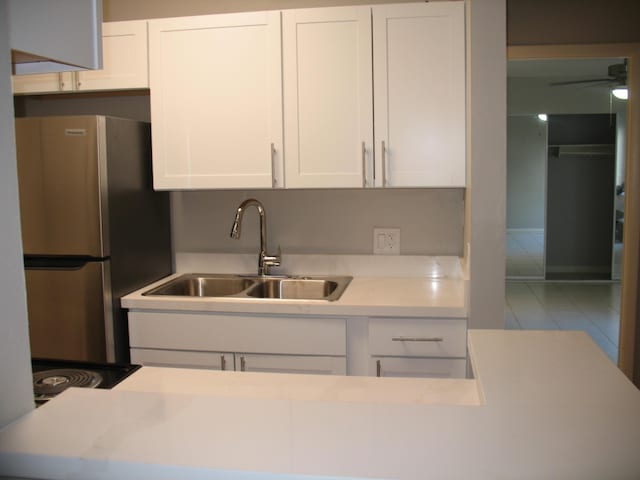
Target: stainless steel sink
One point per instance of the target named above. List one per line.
(195, 285)
(240, 286)
(298, 288)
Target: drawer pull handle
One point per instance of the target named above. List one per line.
(378, 368)
(417, 339)
(223, 363)
(243, 364)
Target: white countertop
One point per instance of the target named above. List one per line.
(365, 296)
(543, 405)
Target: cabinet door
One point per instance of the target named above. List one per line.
(305, 364)
(183, 359)
(296, 335)
(419, 94)
(216, 101)
(42, 83)
(418, 367)
(328, 97)
(124, 59)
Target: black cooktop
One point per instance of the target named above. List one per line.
(51, 377)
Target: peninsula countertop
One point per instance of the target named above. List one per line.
(541, 405)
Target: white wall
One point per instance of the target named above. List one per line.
(621, 146)
(16, 397)
(526, 171)
(486, 149)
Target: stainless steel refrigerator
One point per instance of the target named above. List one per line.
(93, 230)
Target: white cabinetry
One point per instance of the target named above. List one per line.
(125, 65)
(216, 101)
(218, 107)
(419, 94)
(124, 59)
(328, 110)
(43, 83)
(416, 347)
(238, 342)
(414, 88)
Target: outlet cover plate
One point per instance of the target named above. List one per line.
(386, 241)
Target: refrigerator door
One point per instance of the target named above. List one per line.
(62, 182)
(67, 310)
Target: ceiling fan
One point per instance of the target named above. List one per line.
(617, 76)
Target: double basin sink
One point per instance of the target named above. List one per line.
(253, 286)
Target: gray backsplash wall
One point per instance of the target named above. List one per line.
(322, 221)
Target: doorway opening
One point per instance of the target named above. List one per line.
(566, 156)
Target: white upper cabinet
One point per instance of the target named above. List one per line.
(328, 109)
(216, 101)
(124, 60)
(419, 94)
(42, 83)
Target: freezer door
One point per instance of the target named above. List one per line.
(67, 312)
(61, 180)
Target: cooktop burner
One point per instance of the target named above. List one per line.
(49, 383)
(51, 377)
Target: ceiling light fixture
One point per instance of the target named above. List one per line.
(621, 92)
(542, 117)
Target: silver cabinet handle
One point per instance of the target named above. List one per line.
(384, 164)
(60, 82)
(76, 76)
(378, 368)
(223, 363)
(243, 364)
(364, 166)
(274, 179)
(417, 339)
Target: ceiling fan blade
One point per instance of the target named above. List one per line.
(576, 82)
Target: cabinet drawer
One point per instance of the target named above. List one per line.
(305, 364)
(415, 337)
(418, 367)
(238, 333)
(176, 358)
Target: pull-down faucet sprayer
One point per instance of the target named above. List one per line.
(265, 261)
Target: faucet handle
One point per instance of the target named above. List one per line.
(272, 260)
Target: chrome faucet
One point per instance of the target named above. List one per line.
(265, 261)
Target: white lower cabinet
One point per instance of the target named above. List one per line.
(418, 347)
(182, 358)
(418, 367)
(242, 362)
(253, 343)
(306, 344)
(306, 364)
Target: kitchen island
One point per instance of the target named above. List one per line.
(540, 405)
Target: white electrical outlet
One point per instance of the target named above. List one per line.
(386, 241)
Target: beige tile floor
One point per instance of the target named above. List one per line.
(525, 254)
(592, 307)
